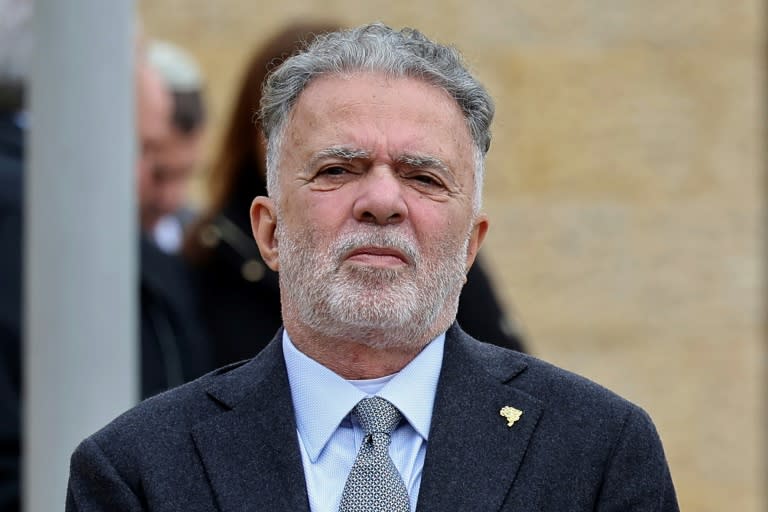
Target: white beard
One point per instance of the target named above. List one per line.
(380, 307)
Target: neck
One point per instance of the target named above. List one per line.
(353, 359)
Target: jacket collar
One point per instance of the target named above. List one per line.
(250, 452)
(473, 455)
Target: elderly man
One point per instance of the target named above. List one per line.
(174, 348)
(372, 398)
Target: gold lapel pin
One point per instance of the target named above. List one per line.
(511, 414)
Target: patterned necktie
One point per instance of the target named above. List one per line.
(374, 484)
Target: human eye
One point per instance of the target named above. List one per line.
(332, 176)
(335, 173)
(333, 170)
(425, 180)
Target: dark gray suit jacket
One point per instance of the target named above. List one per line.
(227, 442)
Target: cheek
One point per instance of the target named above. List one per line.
(307, 212)
(329, 208)
(440, 229)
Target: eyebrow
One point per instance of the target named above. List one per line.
(341, 152)
(423, 162)
(412, 160)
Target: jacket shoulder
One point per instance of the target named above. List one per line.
(560, 389)
(162, 422)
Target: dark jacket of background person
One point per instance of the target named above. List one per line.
(11, 163)
(173, 345)
(228, 442)
(240, 298)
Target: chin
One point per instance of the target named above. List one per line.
(398, 327)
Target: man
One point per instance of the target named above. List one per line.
(372, 398)
(174, 349)
(164, 212)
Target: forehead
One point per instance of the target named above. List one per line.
(153, 99)
(385, 116)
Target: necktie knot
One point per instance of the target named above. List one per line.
(377, 415)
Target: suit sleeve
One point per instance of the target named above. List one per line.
(96, 486)
(637, 476)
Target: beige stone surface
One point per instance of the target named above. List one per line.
(625, 186)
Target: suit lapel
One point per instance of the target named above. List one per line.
(250, 452)
(473, 456)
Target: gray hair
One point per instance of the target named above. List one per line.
(376, 48)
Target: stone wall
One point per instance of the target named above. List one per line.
(625, 188)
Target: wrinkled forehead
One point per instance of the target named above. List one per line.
(378, 95)
(371, 111)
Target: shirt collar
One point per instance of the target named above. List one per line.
(322, 399)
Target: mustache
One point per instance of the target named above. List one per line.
(394, 240)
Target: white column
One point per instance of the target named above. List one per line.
(80, 354)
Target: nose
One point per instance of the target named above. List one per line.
(380, 200)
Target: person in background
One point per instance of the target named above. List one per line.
(174, 348)
(372, 398)
(166, 211)
(15, 54)
(239, 293)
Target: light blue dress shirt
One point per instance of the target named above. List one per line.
(329, 439)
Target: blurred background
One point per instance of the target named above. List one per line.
(625, 188)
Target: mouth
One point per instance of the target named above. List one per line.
(377, 257)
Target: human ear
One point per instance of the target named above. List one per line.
(264, 225)
(476, 237)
